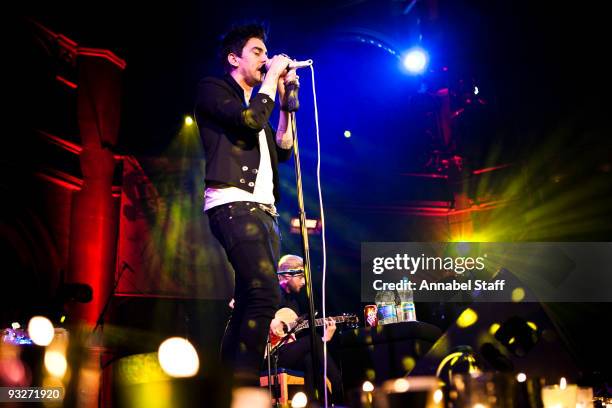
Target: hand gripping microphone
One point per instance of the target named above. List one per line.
(292, 103)
(292, 65)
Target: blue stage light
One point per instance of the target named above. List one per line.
(416, 60)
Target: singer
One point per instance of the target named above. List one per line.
(242, 184)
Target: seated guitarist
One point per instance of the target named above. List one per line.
(295, 354)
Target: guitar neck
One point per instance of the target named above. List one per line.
(319, 322)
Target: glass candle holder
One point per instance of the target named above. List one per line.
(554, 396)
(584, 399)
(484, 390)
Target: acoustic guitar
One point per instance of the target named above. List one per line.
(293, 324)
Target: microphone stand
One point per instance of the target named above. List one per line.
(101, 316)
(292, 107)
(285, 339)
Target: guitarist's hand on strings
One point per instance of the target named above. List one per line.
(330, 329)
(278, 328)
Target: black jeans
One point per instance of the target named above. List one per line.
(297, 356)
(251, 240)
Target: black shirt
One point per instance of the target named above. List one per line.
(229, 130)
(289, 300)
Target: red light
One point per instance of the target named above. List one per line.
(66, 82)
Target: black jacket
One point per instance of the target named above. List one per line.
(229, 131)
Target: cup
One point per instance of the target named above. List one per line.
(406, 312)
(387, 313)
(370, 315)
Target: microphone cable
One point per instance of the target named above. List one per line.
(324, 245)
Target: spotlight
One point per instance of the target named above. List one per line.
(178, 358)
(299, 400)
(367, 387)
(40, 330)
(416, 60)
(188, 120)
(347, 133)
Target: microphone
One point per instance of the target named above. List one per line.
(292, 65)
(300, 64)
(292, 103)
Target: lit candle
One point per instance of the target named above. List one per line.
(555, 396)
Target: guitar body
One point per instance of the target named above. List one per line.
(287, 316)
(289, 319)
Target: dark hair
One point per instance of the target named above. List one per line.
(237, 37)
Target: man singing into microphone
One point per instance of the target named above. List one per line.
(242, 185)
